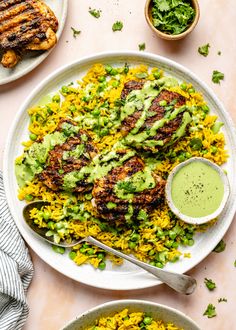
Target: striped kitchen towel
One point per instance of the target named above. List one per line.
(16, 270)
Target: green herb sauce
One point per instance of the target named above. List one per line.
(197, 190)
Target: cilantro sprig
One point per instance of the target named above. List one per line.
(95, 12)
(220, 247)
(142, 46)
(210, 284)
(204, 50)
(117, 26)
(217, 76)
(210, 311)
(172, 16)
(75, 32)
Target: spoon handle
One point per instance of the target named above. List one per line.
(179, 282)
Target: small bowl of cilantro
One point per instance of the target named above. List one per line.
(172, 19)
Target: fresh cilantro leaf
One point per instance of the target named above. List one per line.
(220, 247)
(204, 50)
(172, 16)
(222, 300)
(164, 5)
(75, 32)
(117, 26)
(142, 46)
(210, 311)
(95, 12)
(217, 76)
(210, 284)
(127, 186)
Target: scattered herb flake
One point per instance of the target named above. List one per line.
(95, 12)
(219, 53)
(222, 300)
(117, 26)
(75, 32)
(210, 284)
(172, 16)
(220, 247)
(210, 311)
(142, 46)
(217, 76)
(204, 50)
(234, 263)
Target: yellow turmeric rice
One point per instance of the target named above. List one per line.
(125, 320)
(72, 216)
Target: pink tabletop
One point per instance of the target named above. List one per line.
(55, 299)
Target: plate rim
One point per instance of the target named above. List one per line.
(125, 302)
(44, 55)
(96, 57)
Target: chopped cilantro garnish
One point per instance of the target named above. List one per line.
(142, 46)
(127, 186)
(210, 284)
(217, 76)
(210, 311)
(204, 50)
(117, 26)
(95, 12)
(196, 143)
(222, 300)
(75, 32)
(220, 247)
(172, 17)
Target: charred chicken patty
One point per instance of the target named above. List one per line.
(151, 123)
(68, 159)
(25, 25)
(128, 191)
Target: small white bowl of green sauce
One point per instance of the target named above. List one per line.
(197, 190)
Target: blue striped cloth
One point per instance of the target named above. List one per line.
(16, 270)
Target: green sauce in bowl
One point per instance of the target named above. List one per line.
(197, 190)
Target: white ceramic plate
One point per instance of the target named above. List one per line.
(127, 276)
(156, 311)
(31, 60)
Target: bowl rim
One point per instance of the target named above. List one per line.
(197, 220)
(123, 303)
(166, 36)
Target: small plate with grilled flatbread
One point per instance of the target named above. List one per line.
(29, 30)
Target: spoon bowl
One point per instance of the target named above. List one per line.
(179, 282)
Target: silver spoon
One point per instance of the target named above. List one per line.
(179, 282)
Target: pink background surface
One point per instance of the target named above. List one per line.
(55, 299)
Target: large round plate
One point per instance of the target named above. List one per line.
(156, 311)
(127, 276)
(33, 59)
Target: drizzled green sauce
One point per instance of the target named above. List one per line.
(197, 190)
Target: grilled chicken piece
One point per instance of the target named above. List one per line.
(10, 58)
(156, 112)
(131, 86)
(111, 206)
(73, 155)
(25, 24)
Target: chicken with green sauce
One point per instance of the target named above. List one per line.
(128, 191)
(152, 116)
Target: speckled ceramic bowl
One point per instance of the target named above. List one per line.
(148, 16)
(209, 217)
(156, 311)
